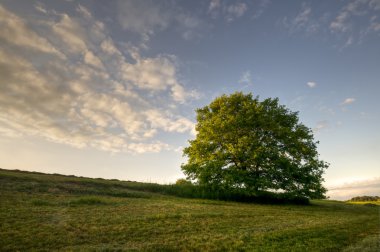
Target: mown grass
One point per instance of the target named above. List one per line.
(54, 212)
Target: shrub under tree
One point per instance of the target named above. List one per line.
(254, 146)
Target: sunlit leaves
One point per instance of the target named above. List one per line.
(255, 145)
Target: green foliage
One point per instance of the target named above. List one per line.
(32, 219)
(365, 198)
(244, 143)
(183, 182)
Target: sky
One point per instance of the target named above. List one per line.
(109, 88)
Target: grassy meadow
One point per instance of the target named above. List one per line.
(53, 212)
(377, 202)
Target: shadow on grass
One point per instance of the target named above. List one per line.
(88, 201)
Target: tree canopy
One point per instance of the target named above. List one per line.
(365, 198)
(244, 143)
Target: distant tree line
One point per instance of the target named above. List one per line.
(366, 198)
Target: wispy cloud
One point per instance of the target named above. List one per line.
(353, 9)
(246, 79)
(84, 92)
(14, 31)
(302, 21)
(321, 125)
(325, 109)
(356, 20)
(229, 11)
(259, 10)
(350, 189)
(311, 84)
(303, 16)
(375, 26)
(40, 7)
(143, 16)
(340, 24)
(146, 17)
(84, 11)
(214, 5)
(350, 25)
(236, 10)
(233, 10)
(348, 101)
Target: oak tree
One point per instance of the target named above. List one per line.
(252, 145)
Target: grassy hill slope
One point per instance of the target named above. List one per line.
(55, 212)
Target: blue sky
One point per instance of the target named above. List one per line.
(109, 89)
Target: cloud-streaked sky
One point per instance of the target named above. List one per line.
(109, 89)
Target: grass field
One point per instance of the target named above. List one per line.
(377, 202)
(54, 212)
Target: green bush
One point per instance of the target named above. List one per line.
(188, 190)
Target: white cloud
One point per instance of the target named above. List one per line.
(340, 24)
(229, 11)
(15, 32)
(151, 147)
(84, 11)
(161, 121)
(302, 21)
(40, 7)
(92, 60)
(303, 16)
(258, 11)
(190, 26)
(325, 109)
(349, 42)
(352, 188)
(179, 94)
(311, 84)
(246, 78)
(348, 101)
(158, 74)
(109, 47)
(151, 73)
(236, 10)
(91, 97)
(71, 34)
(214, 4)
(147, 17)
(350, 25)
(320, 126)
(354, 20)
(375, 26)
(143, 16)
